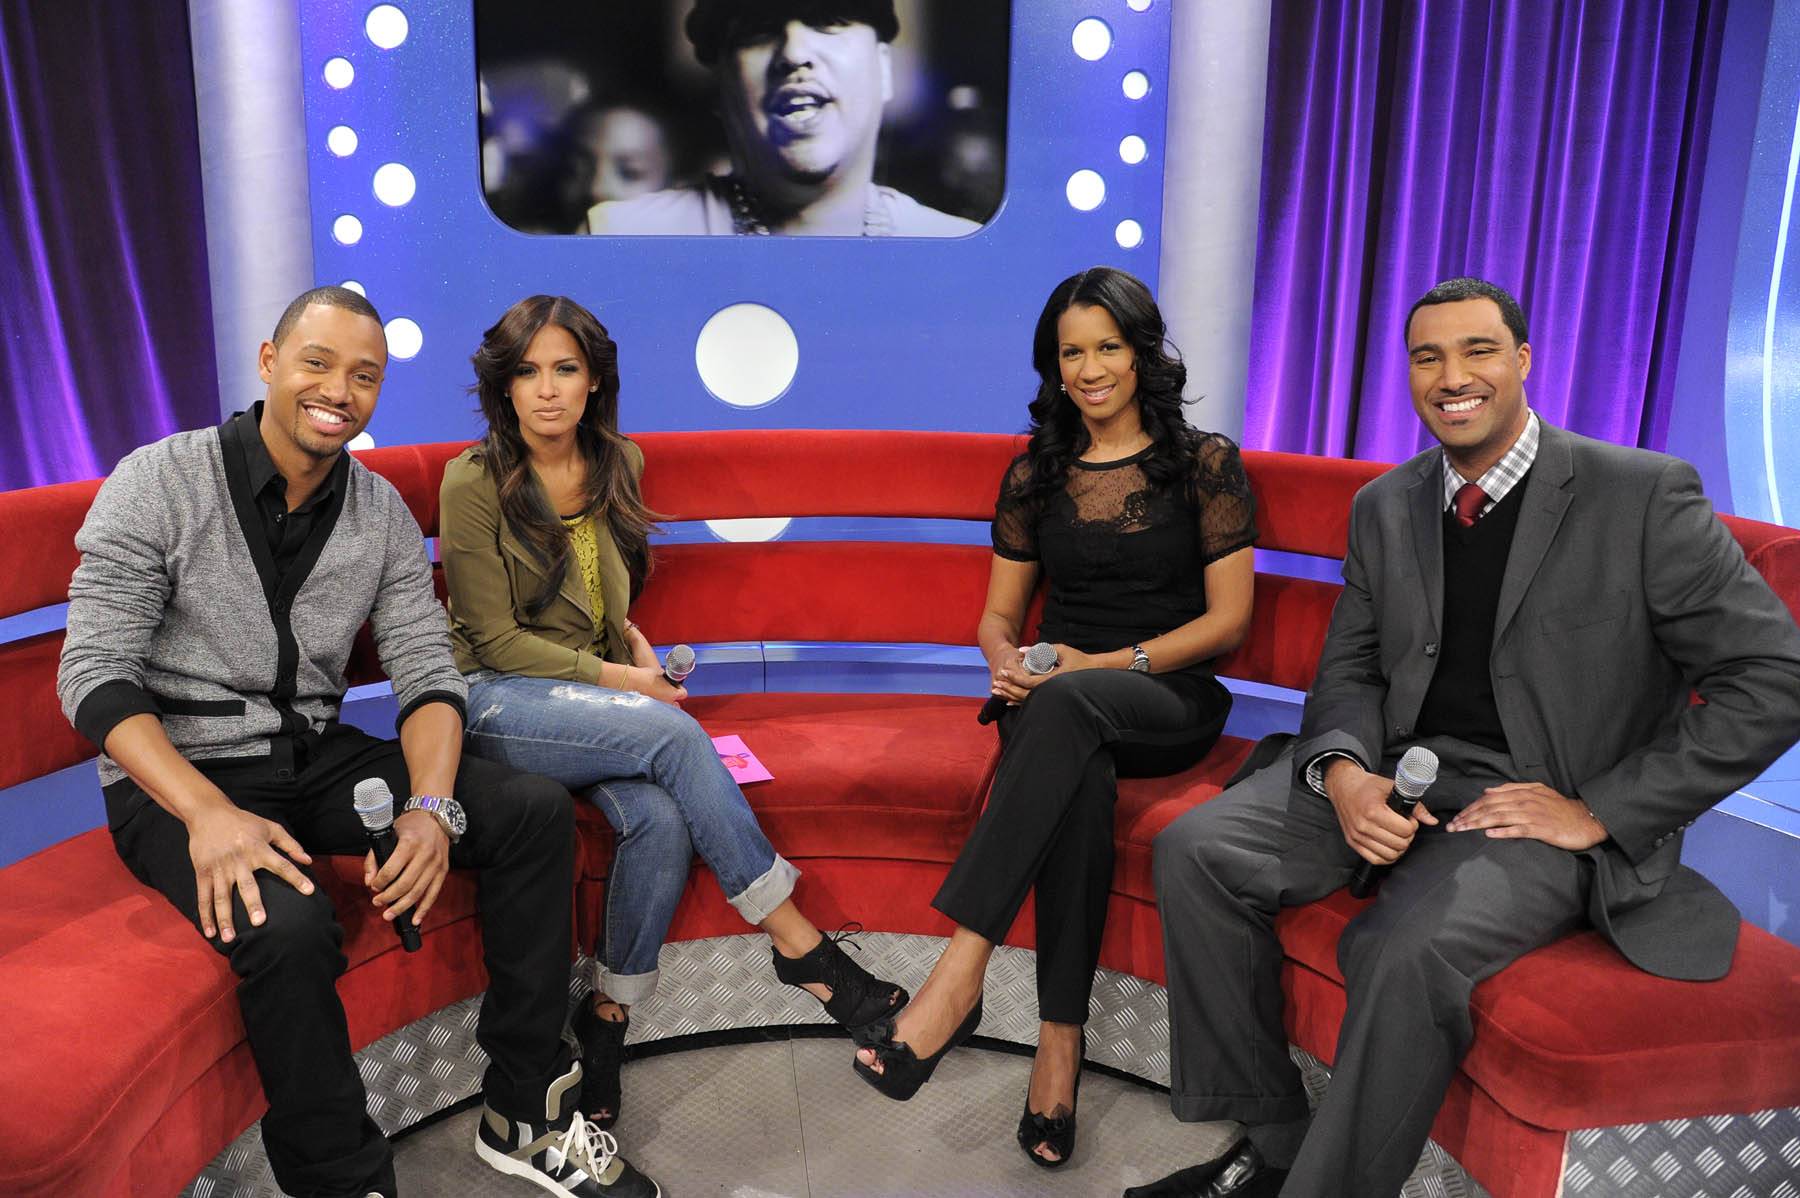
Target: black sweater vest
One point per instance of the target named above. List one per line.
(1460, 702)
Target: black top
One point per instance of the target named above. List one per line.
(1126, 562)
(1460, 701)
(286, 531)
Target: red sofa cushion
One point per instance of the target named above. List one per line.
(127, 1006)
(876, 776)
(1546, 1050)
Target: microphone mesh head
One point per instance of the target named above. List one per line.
(680, 662)
(1040, 658)
(1417, 771)
(374, 804)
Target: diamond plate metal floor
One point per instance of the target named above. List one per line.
(788, 1117)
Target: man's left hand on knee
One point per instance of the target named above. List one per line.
(1534, 811)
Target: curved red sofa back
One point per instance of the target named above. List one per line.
(800, 591)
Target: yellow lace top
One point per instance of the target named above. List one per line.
(586, 548)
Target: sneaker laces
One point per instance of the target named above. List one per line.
(587, 1147)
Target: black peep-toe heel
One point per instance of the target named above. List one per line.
(859, 999)
(602, 1056)
(902, 1073)
(1057, 1134)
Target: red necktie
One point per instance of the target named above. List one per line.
(1467, 503)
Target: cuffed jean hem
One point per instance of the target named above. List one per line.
(759, 899)
(1248, 1109)
(626, 989)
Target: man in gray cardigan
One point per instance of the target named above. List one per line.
(224, 575)
(1535, 608)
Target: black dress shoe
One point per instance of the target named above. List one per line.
(1238, 1172)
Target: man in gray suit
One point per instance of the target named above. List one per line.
(1534, 607)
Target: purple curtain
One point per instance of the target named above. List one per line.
(1555, 148)
(105, 315)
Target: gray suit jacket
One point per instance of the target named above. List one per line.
(1622, 594)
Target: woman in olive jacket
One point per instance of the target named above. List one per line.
(545, 540)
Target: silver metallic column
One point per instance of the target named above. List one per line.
(253, 172)
(1218, 76)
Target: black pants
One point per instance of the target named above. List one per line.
(320, 1141)
(1458, 907)
(1049, 817)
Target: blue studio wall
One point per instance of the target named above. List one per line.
(891, 332)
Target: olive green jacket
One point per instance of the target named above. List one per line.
(492, 576)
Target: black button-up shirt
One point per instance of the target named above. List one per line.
(285, 531)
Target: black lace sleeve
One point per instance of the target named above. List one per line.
(1222, 499)
(1015, 517)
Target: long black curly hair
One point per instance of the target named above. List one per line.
(1058, 434)
(610, 490)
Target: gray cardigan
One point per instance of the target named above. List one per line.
(175, 609)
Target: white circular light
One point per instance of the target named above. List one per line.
(394, 184)
(1138, 5)
(353, 285)
(754, 528)
(361, 440)
(385, 25)
(341, 141)
(1092, 39)
(1133, 150)
(1136, 85)
(747, 355)
(347, 229)
(404, 337)
(1129, 234)
(339, 73)
(1086, 190)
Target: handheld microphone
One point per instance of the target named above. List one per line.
(374, 804)
(1039, 659)
(1417, 771)
(679, 664)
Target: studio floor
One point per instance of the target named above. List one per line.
(786, 1117)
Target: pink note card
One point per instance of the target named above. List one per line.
(740, 760)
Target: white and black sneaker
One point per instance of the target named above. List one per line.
(565, 1154)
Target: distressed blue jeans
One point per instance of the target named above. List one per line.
(655, 775)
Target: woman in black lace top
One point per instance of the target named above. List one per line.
(1141, 525)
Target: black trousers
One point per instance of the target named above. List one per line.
(1049, 817)
(1458, 907)
(320, 1141)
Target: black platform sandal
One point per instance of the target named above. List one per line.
(902, 1073)
(602, 1055)
(1056, 1134)
(859, 999)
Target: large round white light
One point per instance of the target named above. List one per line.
(1136, 85)
(1086, 190)
(747, 355)
(1129, 234)
(385, 25)
(405, 338)
(347, 229)
(1138, 5)
(1092, 39)
(1133, 150)
(341, 141)
(339, 73)
(394, 184)
(353, 285)
(361, 440)
(752, 528)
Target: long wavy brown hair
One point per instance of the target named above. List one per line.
(611, 491)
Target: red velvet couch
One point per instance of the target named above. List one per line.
(127, 1069)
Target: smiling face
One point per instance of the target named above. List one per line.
(324, 379)
(550, 386)
(802, 104)
(1099, 370)
(1468, 381)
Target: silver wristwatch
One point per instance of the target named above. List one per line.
(449, 813)
(1140, 660)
